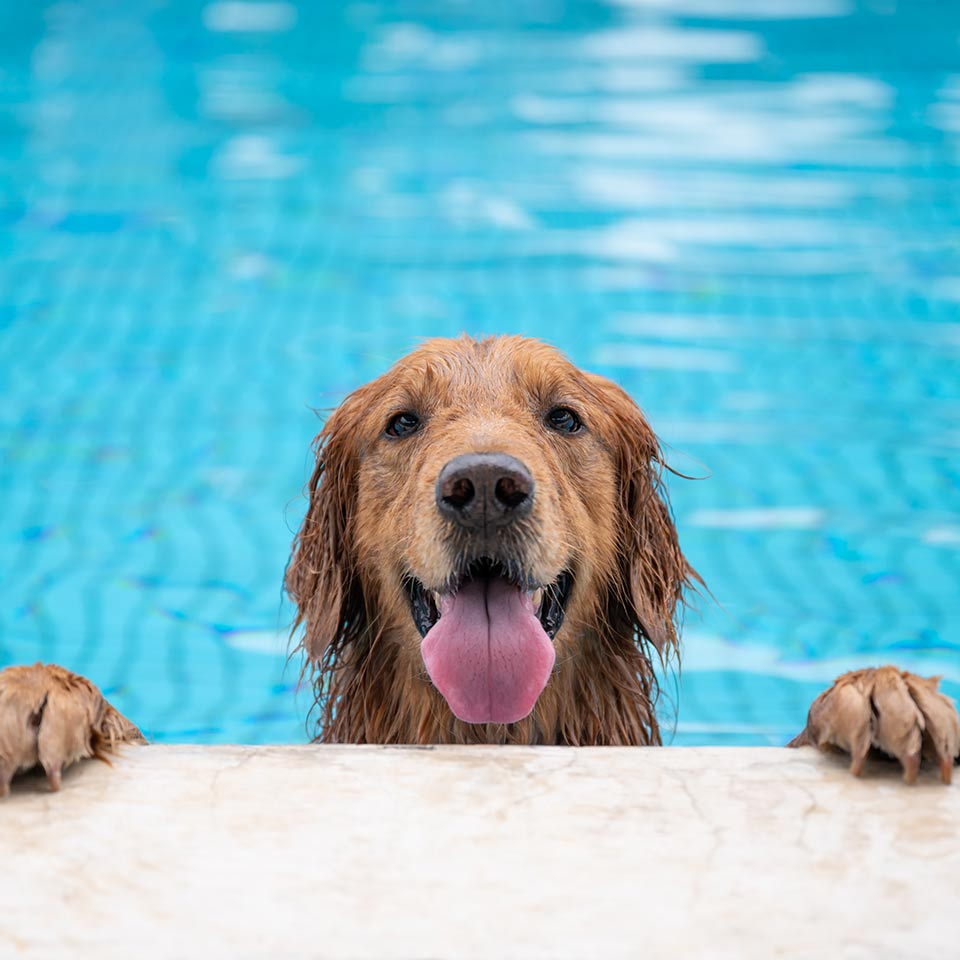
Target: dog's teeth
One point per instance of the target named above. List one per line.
(436, 599)
(537, 598)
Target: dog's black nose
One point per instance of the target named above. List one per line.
(483, 491)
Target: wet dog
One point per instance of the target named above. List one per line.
(488, 556)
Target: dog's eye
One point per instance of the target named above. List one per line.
(564, 421)
(403, 424)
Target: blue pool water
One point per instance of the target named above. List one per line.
(214, 218)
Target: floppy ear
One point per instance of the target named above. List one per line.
(322, 576)
(653, 570)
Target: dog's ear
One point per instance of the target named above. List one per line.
(653, 571)
(322, 576)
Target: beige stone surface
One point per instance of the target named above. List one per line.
(359, 852)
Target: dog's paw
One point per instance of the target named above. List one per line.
(51, 717)
(899, 713)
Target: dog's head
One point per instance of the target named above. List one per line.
(487, 506)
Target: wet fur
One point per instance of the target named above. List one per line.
(372, 520)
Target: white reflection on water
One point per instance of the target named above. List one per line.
(708, 653)
(945, 113)
(614, 188)
(943, 536)
(411, 44)
(745, 9)
(663, 42)
(470, 203)
(653, 357)
(254, 157)
(249, 16)
(769, 518)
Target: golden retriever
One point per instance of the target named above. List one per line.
(488, 556)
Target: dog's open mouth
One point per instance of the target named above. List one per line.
(549, 602)
(487, 641)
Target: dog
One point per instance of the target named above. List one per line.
(488, 556)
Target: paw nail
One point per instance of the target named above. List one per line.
(53, 778)
(946, 769)
(911, 768)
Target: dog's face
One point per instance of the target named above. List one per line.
(487, 506)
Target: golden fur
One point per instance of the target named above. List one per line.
(372, 521)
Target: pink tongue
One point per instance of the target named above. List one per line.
(488, 654)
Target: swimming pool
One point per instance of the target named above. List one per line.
(214, 218)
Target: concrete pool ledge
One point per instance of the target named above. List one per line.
(479, 852)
